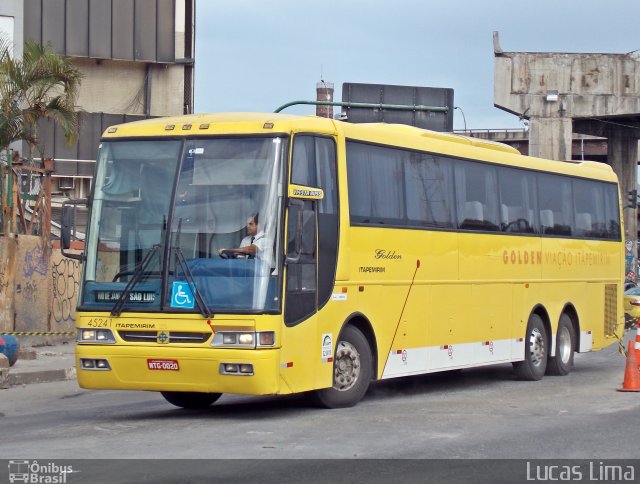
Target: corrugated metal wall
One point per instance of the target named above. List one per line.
(133, 30)
(92, 125)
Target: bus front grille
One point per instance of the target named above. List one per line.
(154, 336)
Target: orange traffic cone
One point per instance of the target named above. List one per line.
(632, 372)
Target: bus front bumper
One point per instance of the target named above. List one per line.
(178, 369)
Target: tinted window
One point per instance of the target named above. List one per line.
(477, 196)
(612, 212)
(429, 191)
(375, 184)
(590, 216)
(395, 187)
(517, 201)
(555, 204)
(303, 166)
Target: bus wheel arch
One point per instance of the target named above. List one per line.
(565, 343)
(361, 322)
(541, 311)
(570, 310)
(353, 367)
(536, 348)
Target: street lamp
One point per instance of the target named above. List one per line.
(463, 118)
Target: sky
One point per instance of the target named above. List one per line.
(255, 55)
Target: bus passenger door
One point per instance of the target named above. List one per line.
(298, 366)
(312, 253)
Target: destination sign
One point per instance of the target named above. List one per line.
(134, 296)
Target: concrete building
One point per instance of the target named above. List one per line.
(136, 57)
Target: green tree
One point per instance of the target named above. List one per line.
(41, 85)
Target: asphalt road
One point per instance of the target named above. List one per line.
(474, 414)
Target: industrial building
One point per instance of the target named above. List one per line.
(137, 59)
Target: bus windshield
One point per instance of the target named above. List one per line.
(168, 216)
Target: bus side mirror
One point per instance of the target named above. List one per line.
(68, 226)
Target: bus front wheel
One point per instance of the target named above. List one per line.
(352, 371)
(562, 363)
(533, 366)
(191, 400)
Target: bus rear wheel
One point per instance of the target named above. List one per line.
(533, 366)
(352, 371)
(562, 363)
(191, 400)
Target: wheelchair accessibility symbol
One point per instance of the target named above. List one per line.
(182, 296)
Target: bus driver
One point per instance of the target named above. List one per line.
(253, 245)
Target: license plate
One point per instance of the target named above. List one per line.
(166, 365)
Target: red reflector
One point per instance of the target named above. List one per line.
(398, 352)
(289, 364)
(330, 360)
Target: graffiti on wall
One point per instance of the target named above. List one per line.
(29, 291)
(35, 262)
(65, 289)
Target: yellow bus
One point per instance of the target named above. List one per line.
(270, 254)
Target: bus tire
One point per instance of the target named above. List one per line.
(533, 366)
(562, 363)
(352, 371)
(191, 400)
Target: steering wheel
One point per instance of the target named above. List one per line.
(229, 254)
(121, 274)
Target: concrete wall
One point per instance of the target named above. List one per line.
(7, 286)
(587, 84)
(167, 90)
(125, 83)
(38, 286)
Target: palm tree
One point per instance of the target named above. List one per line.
(41, 85)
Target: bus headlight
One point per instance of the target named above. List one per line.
(95, 336)
(246, 339)
(243, 339)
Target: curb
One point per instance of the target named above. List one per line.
(41, 376)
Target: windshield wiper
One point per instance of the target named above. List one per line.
(202, 306)
(188, 275)
(137, 276)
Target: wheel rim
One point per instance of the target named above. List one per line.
(536, 346)
(564, 345)
(346, 368)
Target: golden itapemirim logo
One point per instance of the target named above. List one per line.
(560, 258)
